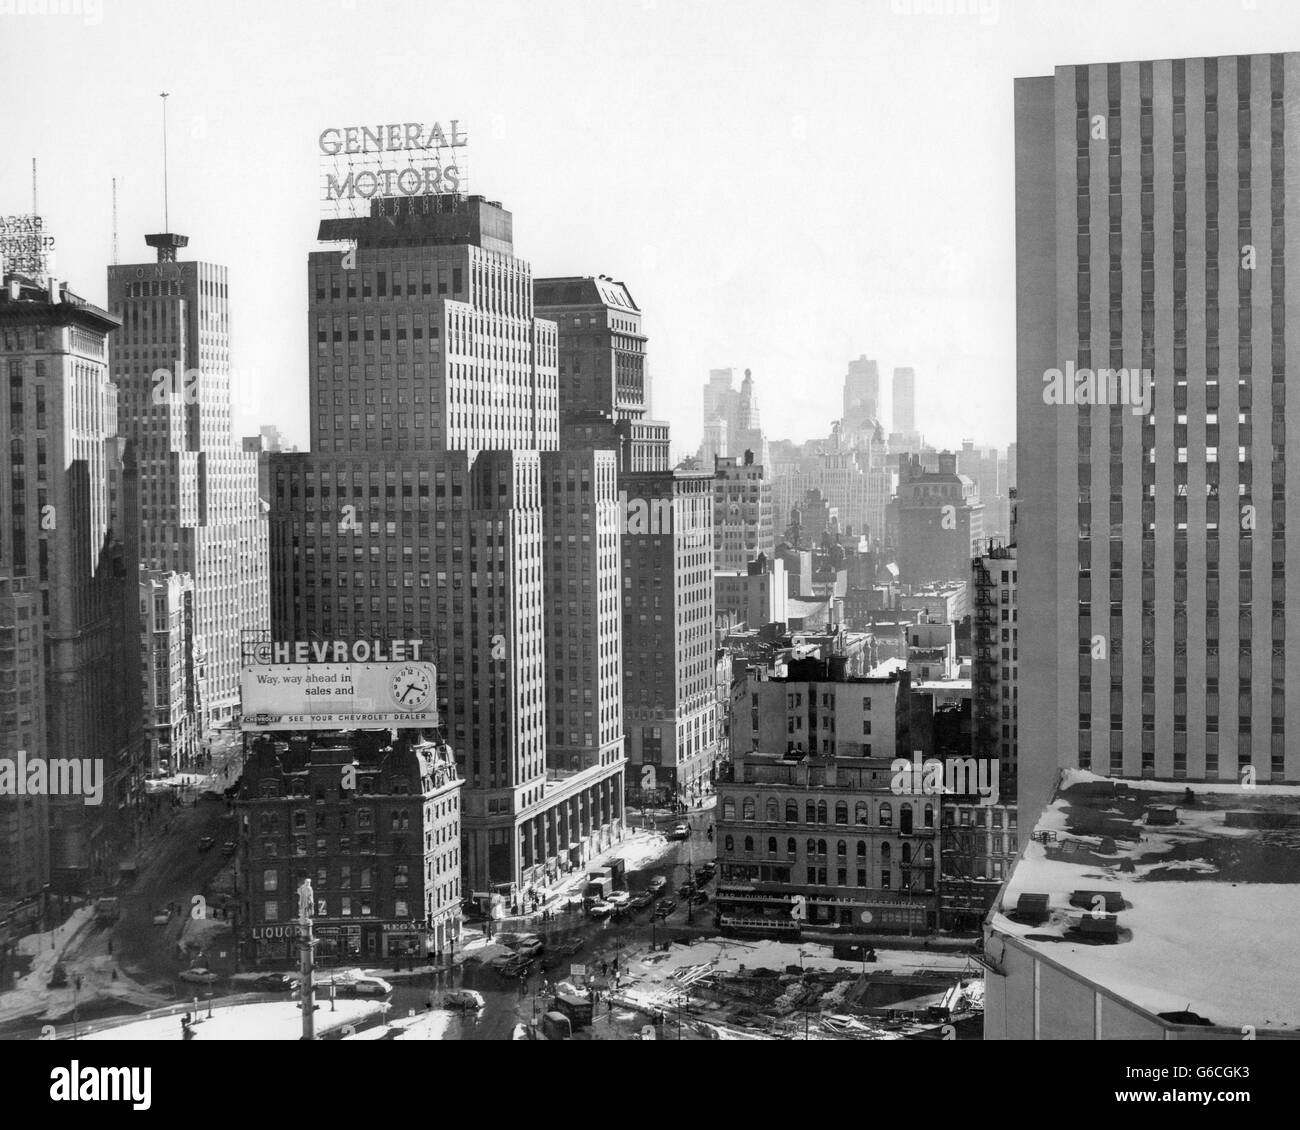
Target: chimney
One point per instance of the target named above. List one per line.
(947, 463)
(749, 458)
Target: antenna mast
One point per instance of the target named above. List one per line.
(166, 219)
(115, 221)
(35, 210)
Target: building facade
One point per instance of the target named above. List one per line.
(940, 522)
(420, 513)
(70, 503)
(381, 844)
(169, 671)
(668, 640)
(995, 666)
(200, 505)
(743, 524)
(1156, 235)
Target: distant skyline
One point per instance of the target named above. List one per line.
(783, 186)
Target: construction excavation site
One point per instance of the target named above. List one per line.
(727, 989)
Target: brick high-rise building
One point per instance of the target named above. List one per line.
(200, 507)
(68, 550)
(420, 513)
(24, 820)
(1156, 234)
(668, 639)
(861, 393)
(743, 525)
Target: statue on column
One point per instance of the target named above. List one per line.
(306, 904)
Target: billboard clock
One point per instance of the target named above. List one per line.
(411, 686)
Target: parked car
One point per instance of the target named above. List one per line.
(641, 901)
(463, 999)
(205, 844)
(370, 987)
(530, 947)
(665, 907)
(228, 849)
(657, 886)
(199, 976)
(686, 890)
(571, 946)
(618, 898)
(680, 832)
(274, 983)
(602, 909)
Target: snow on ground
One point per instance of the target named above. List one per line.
(273, 1020)
(430, 1025)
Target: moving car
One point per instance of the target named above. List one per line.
(686, 890)
(205, 844)
(665, 908)
(641, 901)
(227, 849)
(370, 987)
(618, 898)
(463, 999)
(199, 976)
(572, 946)
(530, 947)
(274, 983)
(602, 909)
(657, 886)
(680, 832)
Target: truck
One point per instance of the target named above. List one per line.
(578, 1009)
(598, 886)
(107, 911)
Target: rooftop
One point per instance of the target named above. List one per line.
(1206, 905)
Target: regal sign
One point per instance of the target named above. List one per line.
(397, 159)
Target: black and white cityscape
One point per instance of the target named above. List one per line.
(650, 521)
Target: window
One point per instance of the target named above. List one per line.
(792, 812)
(886, 816)
(862, 849)
(791, 848)
(905, 819)
(729, 844)
(821, 812)
(841, 849)
(270, 879)
(771, 845)
(729, 809)
(747, 808)
(749, 843)
(772, 810)
(929, 816)
(810, 813)
(271, 911)
(861, 813)
(842, 812)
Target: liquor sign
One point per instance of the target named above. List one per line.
(338, 696)
(360, 163)
(26, 247)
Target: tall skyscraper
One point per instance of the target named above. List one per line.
(200, 508)
(668, 605)
(68, 557)
(1154, 237)
(732, 422)
(420, 513)
(905, 400)
(861, 394)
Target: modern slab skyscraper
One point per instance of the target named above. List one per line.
(201, 512)
(1154, 235)
(420, 513)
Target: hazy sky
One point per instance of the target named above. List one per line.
(783, 185)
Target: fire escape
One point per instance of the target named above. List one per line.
(984, 640)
